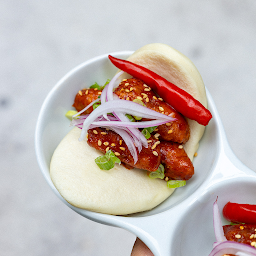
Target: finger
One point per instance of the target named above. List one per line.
(140, 249)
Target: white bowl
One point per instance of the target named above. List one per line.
(168, 229)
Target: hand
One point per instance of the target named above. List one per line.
(140, 249)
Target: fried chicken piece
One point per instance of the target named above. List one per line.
(84, 98)
(177, 164)
(241, 233)
(133, 88)
(103, 140)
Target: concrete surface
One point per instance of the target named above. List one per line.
(40, 41)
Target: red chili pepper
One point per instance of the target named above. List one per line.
(179, 99)
(243, 213)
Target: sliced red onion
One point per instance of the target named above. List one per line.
(130, 124)
(231, 247)
(217, 224)
(123, 106)
(113, 84)
(103, 96)
(129, 141)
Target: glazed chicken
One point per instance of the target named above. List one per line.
(164, 145)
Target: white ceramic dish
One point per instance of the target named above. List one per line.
(182, 225)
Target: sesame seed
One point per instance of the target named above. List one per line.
(103, 133)
(147, 89)
(168, 124)
(99, 143)
(156, 143)
(147, 99)
(166, 178)
(113, 144)
(157, 135)
(127, 90)
(120, 142)
(252, 236)
(145, 85)
(241, 227)
(139, 98)
(124, 79)
(107, 149)
(131, 89)
(253, 243)
(170, 131)
(161, 108)
(155, 153)
(127, 98)
(106, 143)
(87, 91)
(160, 99)
(237, 236)
(99, 93)
(126, 84)
(154, 97)
(195, 155)
(162, 112)
(117, 154)
(95, 89)
(180, 146)
(149, 141)
(122, 148)
(80, 93)
(95, 132)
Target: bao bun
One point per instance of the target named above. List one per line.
(120, 191)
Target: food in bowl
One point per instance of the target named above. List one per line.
(150, 117)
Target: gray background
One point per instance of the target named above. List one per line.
(40, 41)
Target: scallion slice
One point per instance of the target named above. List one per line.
(70, 114)
(107, 161)
(176, 183)
(147, 131)
(158, 174)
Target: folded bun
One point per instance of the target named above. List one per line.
(120, 191)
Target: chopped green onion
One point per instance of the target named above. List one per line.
(176, 183)
(131, 119)
(95, 105)
(104, 163)
(107, 82)
(70, 113)
(107, 161)
(138, 101)
(151, 129)
(110, 154)
(95, 85)
(147, 131)
(158, 174)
